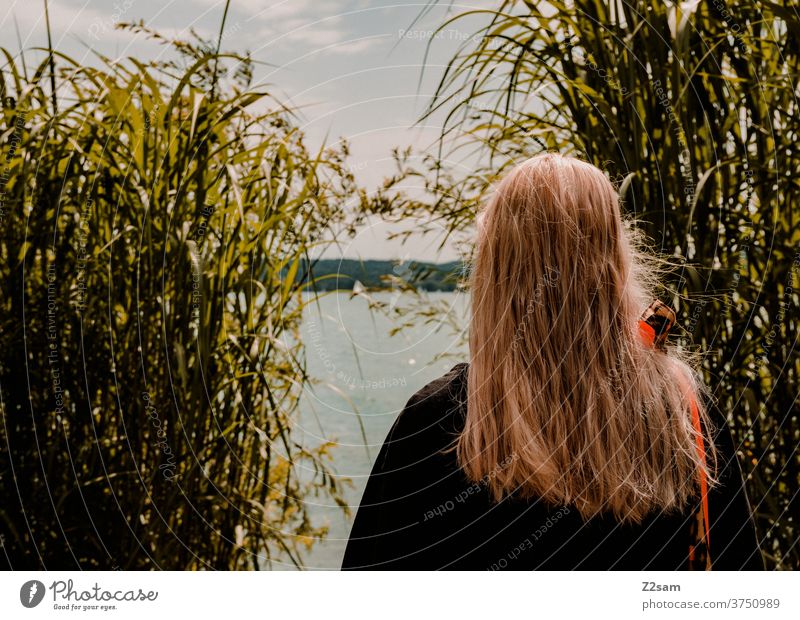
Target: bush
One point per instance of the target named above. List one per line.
(150, 363)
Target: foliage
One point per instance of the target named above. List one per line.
(151, 364)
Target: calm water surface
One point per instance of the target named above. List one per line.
(365, 374)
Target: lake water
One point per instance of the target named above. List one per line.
(365, 374)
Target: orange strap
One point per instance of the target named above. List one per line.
(648, 335)
(701, 450)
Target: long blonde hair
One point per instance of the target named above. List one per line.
(564, 400)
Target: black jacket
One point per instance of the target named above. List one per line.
(419, 511)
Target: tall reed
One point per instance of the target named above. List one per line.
(155, 218)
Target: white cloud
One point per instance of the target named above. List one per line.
(85, 23)
(356, 46)
(271, 10)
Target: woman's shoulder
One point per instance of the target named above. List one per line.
(449, 387)
(438, 407)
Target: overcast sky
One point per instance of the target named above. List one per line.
(353, 66)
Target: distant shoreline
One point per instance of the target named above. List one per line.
(380, 275)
